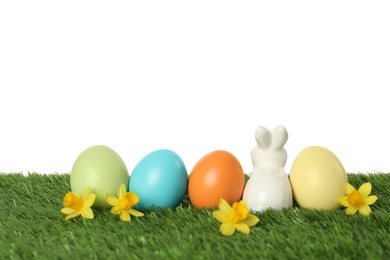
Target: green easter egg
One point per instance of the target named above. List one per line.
(100, 168)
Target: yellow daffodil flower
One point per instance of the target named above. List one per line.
(236, 217)
(123, 204)
(358, 199)
(75, 206)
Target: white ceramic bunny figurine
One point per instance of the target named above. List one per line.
(269, 186)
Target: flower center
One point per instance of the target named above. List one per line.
(128, 201)
(71, 200)
(355, 198)
(239, 212)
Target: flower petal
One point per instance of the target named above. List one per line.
(242, 202)
(133, 198)
(90, 200)
(68, 211)
(116, 210)
(365, 210)
(87, 213)
(73, 215)
(351, 210)
(227, 229)
(221, 216)
(343, 201)
(365, 189)
(349, 188)
(135, 213)
(121, 191)
(85, 193)
(370, 200)
(125, 216)
(244, 228)
(250, 220)
(113, 201)
(224, 206)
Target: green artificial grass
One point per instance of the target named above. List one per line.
(32, 227)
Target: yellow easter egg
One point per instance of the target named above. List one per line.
(317, 179)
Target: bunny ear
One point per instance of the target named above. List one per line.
(263, 137)
(279, 137)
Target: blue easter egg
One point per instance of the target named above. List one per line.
(159, 180)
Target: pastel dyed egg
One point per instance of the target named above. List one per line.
(216, 175)
(100, 168)
(317, 178)
(159, 179)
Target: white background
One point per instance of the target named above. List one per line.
(193, 77)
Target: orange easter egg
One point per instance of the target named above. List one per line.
(216, 175)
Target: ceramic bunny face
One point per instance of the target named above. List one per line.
(269, 150)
